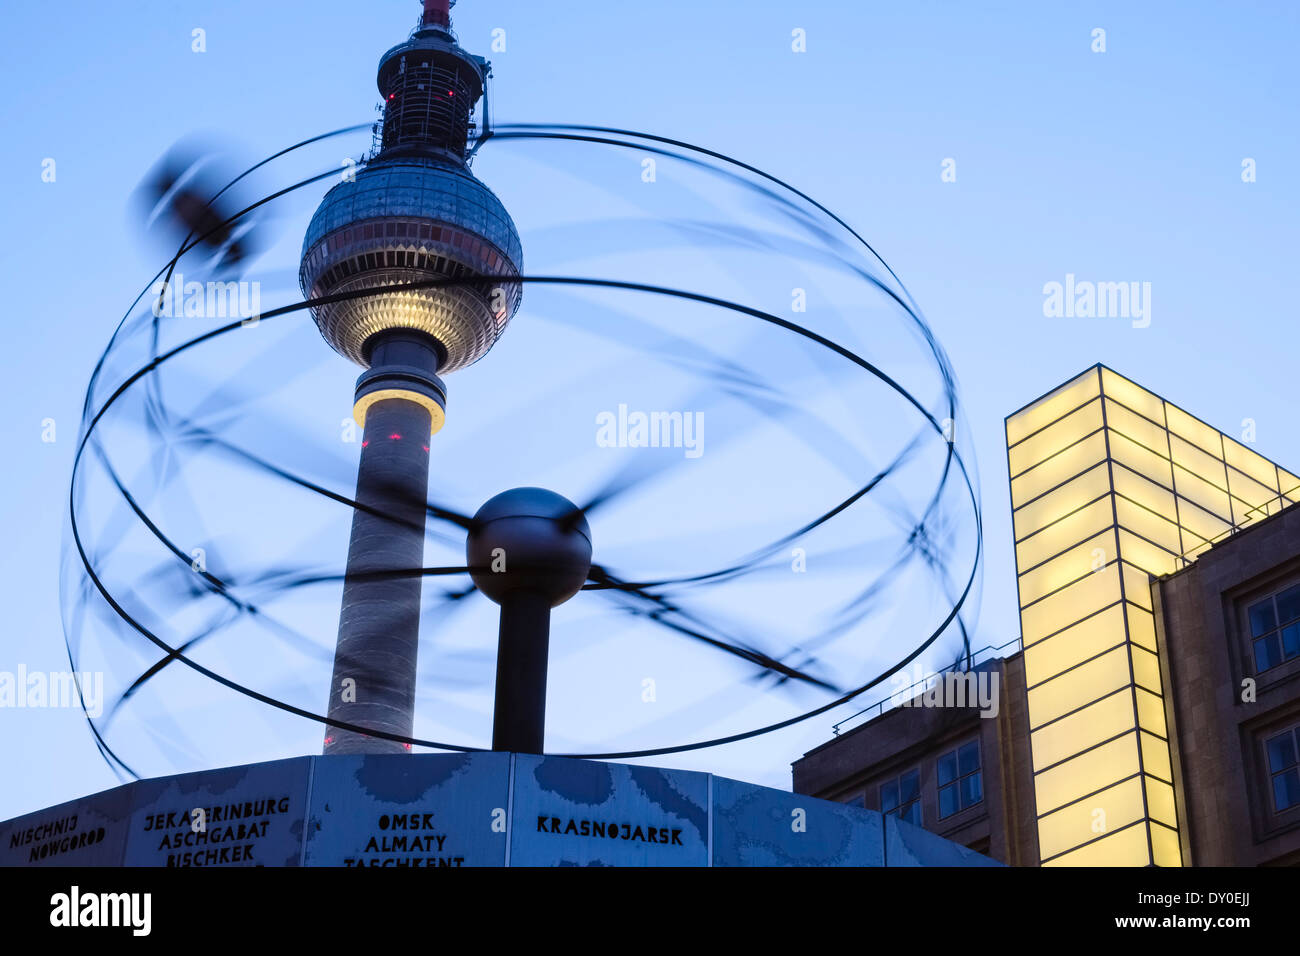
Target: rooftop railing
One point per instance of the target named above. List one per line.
(976, 658)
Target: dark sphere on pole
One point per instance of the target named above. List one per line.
(529, 540)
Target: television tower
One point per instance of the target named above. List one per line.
(413, 213)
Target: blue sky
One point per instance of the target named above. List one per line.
(1117, 166)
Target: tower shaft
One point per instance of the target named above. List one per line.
(414, 213)
(375, 657)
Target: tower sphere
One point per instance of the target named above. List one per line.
(406, 220)
(416, 213)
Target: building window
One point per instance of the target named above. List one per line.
(902, 797)
(960, 781)
(1275, 629)
(1283, 769)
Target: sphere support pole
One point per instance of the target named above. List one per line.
(373, 684)
(519, 715)
(529, 550)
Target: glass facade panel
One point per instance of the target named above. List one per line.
(1151, 712)
(1054, 438)
(1063, 738)
(1090, 818)
(1249, 491)
(1128, 847)
(1141, 627)
(1149, 525)
(1135, 397)
(1203, 526)
(1199, 461)
(1164, 844)
(1070, 604)
(1089, 772)
(1051, 407)
(1078, 686)
(1144, 492)
(1250, 464)
(1146, 670)
(1042, 511)
(1160, 801)
(1088, 557)
(1146, 556)
(1060, 468)
(1155, 756)
(1191, 429)
(1055, 538)
(1142, 460)
(1208, 494)
(1137, 586)
(1289, 484)
(1074, 645)
(1140, 430)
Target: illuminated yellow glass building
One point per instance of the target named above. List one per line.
(1109, 484)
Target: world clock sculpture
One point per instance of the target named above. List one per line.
(411, 269)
